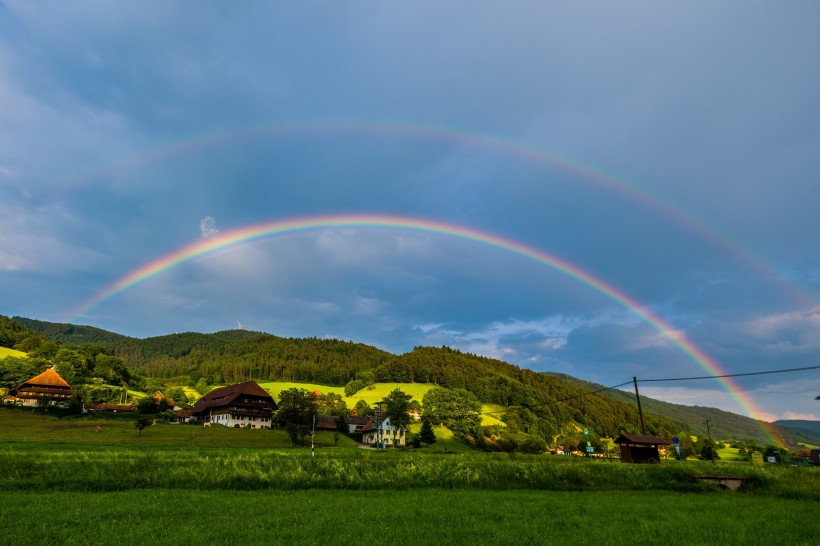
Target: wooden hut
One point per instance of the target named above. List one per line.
(48, 385)
(638, 448)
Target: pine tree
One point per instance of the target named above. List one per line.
(426, 434)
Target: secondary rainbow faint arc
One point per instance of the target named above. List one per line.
(503, 146)
(249, 233)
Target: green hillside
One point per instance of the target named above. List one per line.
(723, 424)
(5, 351)
(525, 402)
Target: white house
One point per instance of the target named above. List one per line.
(379, 431)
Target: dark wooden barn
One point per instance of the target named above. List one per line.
(638, 448)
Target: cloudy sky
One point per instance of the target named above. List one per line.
(668, 151)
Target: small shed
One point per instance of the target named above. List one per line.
(638, 448)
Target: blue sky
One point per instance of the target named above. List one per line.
(670, 150)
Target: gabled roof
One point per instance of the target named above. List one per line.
(108, 407)
(223, 396)
(384, 425)
(325, 422)
(640, 439)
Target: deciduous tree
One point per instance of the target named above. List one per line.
(296, 410)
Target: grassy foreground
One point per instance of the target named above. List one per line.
(432, 516)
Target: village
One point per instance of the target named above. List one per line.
(247, 405)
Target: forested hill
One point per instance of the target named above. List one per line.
(72, 334)
(724, 424)
(538, 402)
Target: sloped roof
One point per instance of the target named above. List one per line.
(385, 425)
(50, 377)
(640, 439)
(223, 396)
(47, 383)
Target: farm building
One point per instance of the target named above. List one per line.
(380, 430)
(638, 448)
(243, 405)
(48, 385)
(356, 423)
(91, 407)
(326, 422)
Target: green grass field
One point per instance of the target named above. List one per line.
(63, 482)
(380, 390)
(434, 516)
(4, 352)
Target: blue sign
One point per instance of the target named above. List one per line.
(590, 449)
(675, 440)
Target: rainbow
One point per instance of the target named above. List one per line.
(503, 146)
(282, 227)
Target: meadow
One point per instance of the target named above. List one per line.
(64, 482)
(421, 516)
(5, 351)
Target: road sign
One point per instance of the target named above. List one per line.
(590, 449)
(675, 440)
(757, 459)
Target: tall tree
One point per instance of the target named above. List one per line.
(395, 406)
(457, 409)
(427, 435)
(296, 410)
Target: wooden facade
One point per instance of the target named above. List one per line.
(638, 448)
(246, 405)
(47, 386)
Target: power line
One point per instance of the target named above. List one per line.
(582, 395)
(729, 375)
(554, 401)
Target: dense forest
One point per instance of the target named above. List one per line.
(536, 404)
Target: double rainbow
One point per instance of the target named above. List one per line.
(313, 223)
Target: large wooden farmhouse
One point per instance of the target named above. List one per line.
(46, 386)
(243, 405)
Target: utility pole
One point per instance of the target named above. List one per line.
(711, 443)
(638, 398)
(312, 436)
(379, 425)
